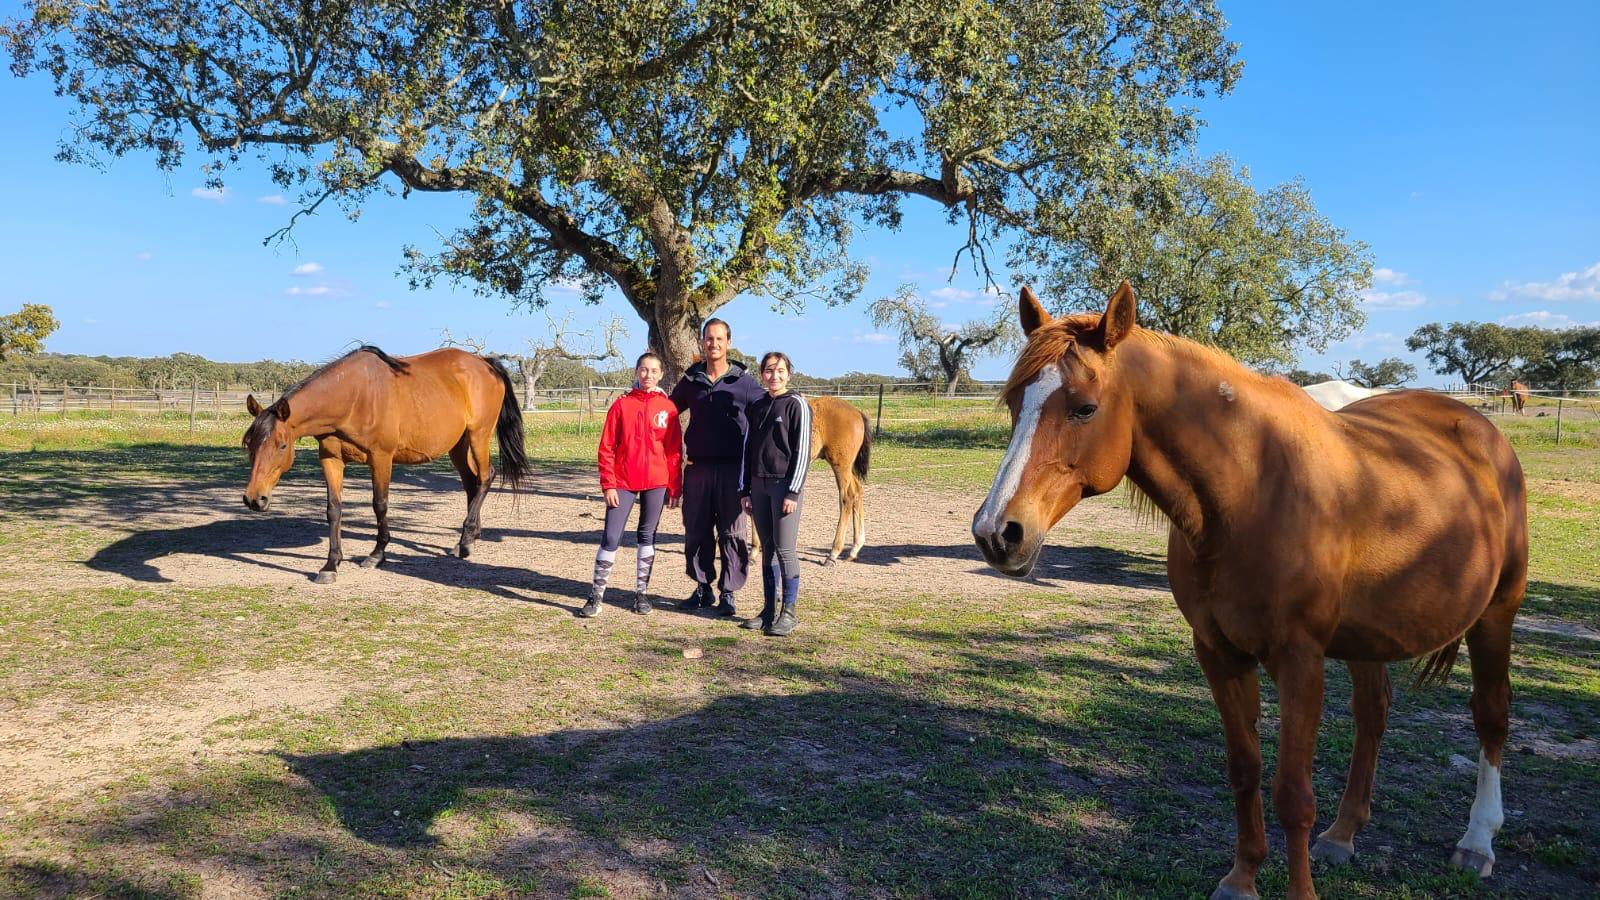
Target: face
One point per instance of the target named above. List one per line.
(775, 375)
(714, 343)
(1071, 438)
(270, 444)
(648, 373)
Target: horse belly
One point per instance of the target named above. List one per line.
(407, 456)
(1407, 617)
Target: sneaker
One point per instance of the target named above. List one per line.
(784, 624)
(641, 603)
(701, 597)
(590, 609)
(726, 606)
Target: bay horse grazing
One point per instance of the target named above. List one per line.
(840, 435)
(1385, 532)
(373, 408)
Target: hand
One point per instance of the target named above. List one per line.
(748, 507)
(612, 501)
(672, 502)
(789, 506)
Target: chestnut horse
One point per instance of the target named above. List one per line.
(1519, 396)
(369, 407)
(840, 435)
(1388, 531)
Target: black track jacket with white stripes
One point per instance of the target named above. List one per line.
(778, 444)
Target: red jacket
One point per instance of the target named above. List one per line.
(641, 445)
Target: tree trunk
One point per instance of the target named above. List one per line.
(950, 389)
(674, 332)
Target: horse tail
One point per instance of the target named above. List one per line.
(513, 457)
(1434, 669)
(864, 455)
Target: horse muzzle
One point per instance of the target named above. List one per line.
(259, 504)
(1007, 546)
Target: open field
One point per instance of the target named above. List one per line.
(183, 714)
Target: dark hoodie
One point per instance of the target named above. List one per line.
(717, 422)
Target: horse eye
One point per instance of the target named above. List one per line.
(282, 446)
(1084, 411)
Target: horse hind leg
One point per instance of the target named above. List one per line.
(1370, 696)
(1489, 643)
(858, 520)
(461, 457)
(382, 471)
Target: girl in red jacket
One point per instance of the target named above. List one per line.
(640, 450)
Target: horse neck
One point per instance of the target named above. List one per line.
(325, 404)
(1198, 421)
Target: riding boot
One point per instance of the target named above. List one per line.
(700, 598)
(787, 620)
(769, 593)
(603, 561)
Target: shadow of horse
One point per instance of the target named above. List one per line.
(1080, 564)
(236, 540)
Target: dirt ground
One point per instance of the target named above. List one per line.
(537, 548)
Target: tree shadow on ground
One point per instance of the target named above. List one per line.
(1082, 564)
(1022, 765)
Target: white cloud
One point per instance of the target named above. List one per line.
(1390, 276)
(309, 268)
(1380, 340)
(1542, 318)
(870, 338)
(317, 290)
(1583, 285)
(91, 321)
(146, 256)
(381, 304)
(272, 200)
(1373, 299)
(215, 195)
(985, 297)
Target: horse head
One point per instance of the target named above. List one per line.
(270, 443)
(1071, 428)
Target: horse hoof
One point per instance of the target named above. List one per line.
(372, 561)
(463, 551)
(827, 560)
(1223, 892)
(1472, 861)
(326, 577)
(1329, 852)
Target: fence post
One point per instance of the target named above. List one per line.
(66, 390)
(216, 400)
(877, 426)
(1559, 402)
(194, 400)
(13, 398)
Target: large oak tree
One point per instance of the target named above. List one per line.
(683, 152)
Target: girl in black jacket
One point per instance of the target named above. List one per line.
(777, 452)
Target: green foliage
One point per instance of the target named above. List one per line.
(176, 371)
(1303, 377)
(1478, 352)
(1390, 372)
(933, 349)
(24, 331)
(1569, 360)
(1257, 274)
(686, 152)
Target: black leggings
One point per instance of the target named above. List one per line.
(779, 533)
(650, 504)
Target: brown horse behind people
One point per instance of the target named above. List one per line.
(841, 436)
(369, 407)
(1387, 531)
(1519, 396)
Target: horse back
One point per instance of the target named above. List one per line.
(422, 409)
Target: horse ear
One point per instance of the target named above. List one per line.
(252, 404)
(1032, 312)
(1119, 316)
(281, 409)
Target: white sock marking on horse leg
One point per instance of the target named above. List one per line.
(1010, 474)
(1487, 813)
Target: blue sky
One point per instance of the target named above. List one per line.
(1459, 140)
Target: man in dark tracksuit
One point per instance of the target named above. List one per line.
(715, 392)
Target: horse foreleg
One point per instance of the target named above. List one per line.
(1238, 697)
(842, 478)
(1298, 671)
(1369, 703)
(333, 474)
(858, 518)
(1489, 642)
(382, 469)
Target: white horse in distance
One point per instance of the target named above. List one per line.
(1334, 395)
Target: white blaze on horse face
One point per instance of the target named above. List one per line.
(1487, 814)
(1009, 477)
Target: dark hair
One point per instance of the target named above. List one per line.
(649, 354)
(776, 354)
(710, 322)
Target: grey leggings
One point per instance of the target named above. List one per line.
(650, 503)
(778, 532)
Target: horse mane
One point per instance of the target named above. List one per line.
(397, 366)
